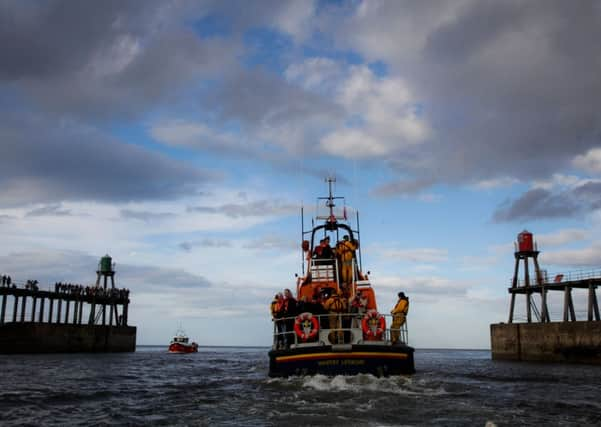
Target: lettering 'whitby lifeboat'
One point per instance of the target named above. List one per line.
(181, 344)
(333, 326)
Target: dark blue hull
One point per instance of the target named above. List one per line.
(342, 360)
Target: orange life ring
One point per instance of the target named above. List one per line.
(370, 317)
(301, 323)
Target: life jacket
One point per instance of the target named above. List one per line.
(274, 307)
(335, 304)
(401, 307)
(279, 308)
(345, 250)
(289, 306)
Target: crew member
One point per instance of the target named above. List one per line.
(273, 308)
(399, 314)
(289, 308)
(277, 311)
(336, 305)
(345, 250)
(358, 307)
(326, 250)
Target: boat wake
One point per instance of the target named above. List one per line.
(399, 385)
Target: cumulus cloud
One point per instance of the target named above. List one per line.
(583, 257)
(590, 161)
(54, 209)
(536, 203)
(562, 237)
(581, 197)
(204, 243)
(388, 117)
(124, 57)
(272, 242)
(46, 162)
(254, 208)
(509, 87)
(428, 255)
(145, 216)
(50, 266)
(426, 285)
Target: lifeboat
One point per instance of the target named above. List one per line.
(334, 327)
(180, 344)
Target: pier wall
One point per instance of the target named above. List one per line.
(65, 338)
(577, 342)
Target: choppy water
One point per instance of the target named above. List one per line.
(229, 386)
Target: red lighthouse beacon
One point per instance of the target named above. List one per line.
(526, 249)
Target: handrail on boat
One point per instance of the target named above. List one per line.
(349, 332)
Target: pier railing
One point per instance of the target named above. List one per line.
(64, 304)
(561, 277)
(343, 328)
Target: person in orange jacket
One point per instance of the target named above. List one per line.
(345, 251)
(399, 316)
(336, 305)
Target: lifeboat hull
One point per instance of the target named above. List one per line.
(347, 359)
(183, 348)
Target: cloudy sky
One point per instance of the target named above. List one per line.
(182, 138)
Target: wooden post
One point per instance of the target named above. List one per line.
(50, 310)
(571, 305)
(3, 309)
(544, 311)
(67, 311)
(58, 310)
(514, 285)
(125, 308)
(80, 313)
(527, 285)
(539, 276)
(15, 307)
(590, 301)
(111, 314)
(75, 311)
(33, 307)
(595, 305)
(41, 316)
(23, 306)
(92, 318)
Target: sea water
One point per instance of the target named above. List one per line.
(230, 387)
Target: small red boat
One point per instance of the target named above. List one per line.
(180, 344)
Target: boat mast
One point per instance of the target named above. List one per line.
(302, 238)
(330, 203)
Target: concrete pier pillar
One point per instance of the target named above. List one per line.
(3, 313)
(23, 306)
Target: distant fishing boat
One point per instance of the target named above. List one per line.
(336, 328)
(180, 344)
